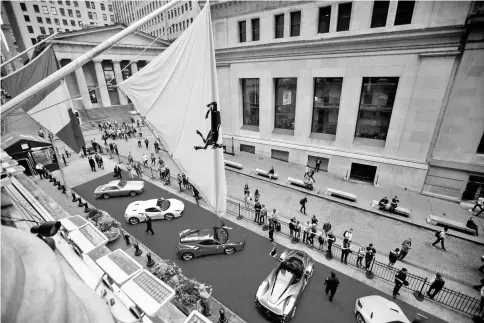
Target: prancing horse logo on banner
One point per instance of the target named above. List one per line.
(214, 133)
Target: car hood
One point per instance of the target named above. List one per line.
(134, 185)
(235, 236)
(136, 207)
(176, 205)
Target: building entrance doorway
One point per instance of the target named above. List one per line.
(474, 188)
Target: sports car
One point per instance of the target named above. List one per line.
(278, 294)
(196, 243)
(119, 188)
(156, 209)
(376, 309)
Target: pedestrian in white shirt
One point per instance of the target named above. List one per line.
(348, 235)
(440, 238)
(145, 160)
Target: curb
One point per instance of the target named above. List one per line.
(401, 219)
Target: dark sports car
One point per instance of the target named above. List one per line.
(218, 240)
(278, 294)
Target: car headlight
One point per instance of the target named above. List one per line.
(262, 289)
(359, 304)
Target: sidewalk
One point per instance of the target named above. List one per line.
(459, 263)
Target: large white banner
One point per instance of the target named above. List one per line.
(178, 94)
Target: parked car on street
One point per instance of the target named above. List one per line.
(156, 209)
(279, 293)
(377, 309)
(218, 240)
(119, 188)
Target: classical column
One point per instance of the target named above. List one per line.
(119, 78)
(82, 85)
(101, 81)
(134, 67)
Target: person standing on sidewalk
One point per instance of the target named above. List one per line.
(139, 142)
(41, 171)
(440, 238)
(436, 286)
(360, 255)
(149, 228)
(263, 214)
(256, 195)
(348, 235)
(406, 246)
(196, 194)
(180, 181)
(314, 220)
(393, 256)
(307, 229)
(145, 160)
(271, 230)
(318, 164)
(331, 240)
(400, 280)
(257, 209)
(153, 159)
(246, 189)
(327, 227)
(291, 228)
(331, 284)
(129, 168)
(479, 204)
(370, 254)
(312, 234)
(303, 202)
(345, 250)
(92, 164)
(147, 143)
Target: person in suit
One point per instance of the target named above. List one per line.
(400, 280)
(149, 228)
(436, 286)
(271, 230)
(331, 284)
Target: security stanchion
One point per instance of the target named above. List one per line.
(59, 186)
(74, 197)
(86, 208)
(51, 179)
(137, 250)
(149, 262)
(418, 294)
(64, 189)
(80, 204)
(222, 318)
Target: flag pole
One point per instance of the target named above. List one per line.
(28, 49)
(83, 59)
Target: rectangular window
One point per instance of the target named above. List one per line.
(255, 29)
(279, 26)
(323, 166)
(78, 14)
(112, 17)
(51, 30)
(93, 6)
(242, 32)
(182, 9)
(404, 12)
(59, 2)
(103, 7)
(64, 22)
(89, 14)
(62, 11)
(59, 30)
(105, 17)
(48, 21)
(186, 6)
(376, 105)
(380, 14)
(190, 5)
(57, 21)
(344, 16)
(42, 30)
(362, 172)
(94, 15)
(280, 155)
(54, 10)
(68, 3)
(33, 40)
(250, 101)
(324, 19)
(191, 20)
(247, 148)
(73, 23)
(36, 8)
(76, 4)
(183, 25)
(327, 96)
(30, 29)
(70, 13)
(80, 23)
(88, 5)
(285, 107)
(45, 10)
(39, 20)
(295, 23)
(110, 7)
(480, 148)
(23, 7)
(27, 18)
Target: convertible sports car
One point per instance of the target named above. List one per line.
(196, 243)
(119, 188)
(157, 209)
(278, 294)
(376, 309)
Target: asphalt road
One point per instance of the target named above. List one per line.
(235, 278)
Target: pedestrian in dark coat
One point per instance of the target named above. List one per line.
(345, 250)
(180, 181)
(303, 202)
(400, 280)
(331, 284)
(139, 142)
(291, 227)
(64, 159)
(331, 240)
(257, 209)
(92, 164)
(318, 163)
(271, 231)
(370, 253)
(149, 228)
(393, 256)
(196, 194)
(146, 143)
(436, 286)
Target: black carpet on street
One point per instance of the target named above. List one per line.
(235, 278)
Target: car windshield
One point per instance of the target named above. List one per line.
(163, 204)
(293, 265)
(121, 184)
(221, 235)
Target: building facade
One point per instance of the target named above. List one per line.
(30, 19)
(11, 42)
(168, 25)
(361, 84)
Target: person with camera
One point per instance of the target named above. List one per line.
(400, 280)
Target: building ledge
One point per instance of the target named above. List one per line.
(286, 132)
(467, 167)
(250, 128)
(322, 136)
(369, 142)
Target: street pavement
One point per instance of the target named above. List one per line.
(458, 264)
(235, 278)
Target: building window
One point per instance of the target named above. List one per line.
(51, 30)
(190, 5)
(327, 95)
(48, 21)
(250, 101)
(344, 16)
(39, 20)
(45, 10)
(295, 23)
(23, 7)
(80, 23)
(404, 12)
(285, 109)
(182, 9)
(280, 155)
(62, 11)
(103, 7)
(78, 14)
(112, 17)
(59, 2)
(376, 105)
(362, 172)
(68, 3)
(70, 13)
(324, 19)
(36, 8)
(57, 21)
(42, 30)
(73, 23)
(33, 41)
(186, 6)
(30, 29)
(480, 148)
(27, 18)
(59, 30)
(247, 148)
(279, 26)
(380, 13)
(93, 6)
(88, 5)
(105, 17)
(54, 10)
(255, 29)
(110, 7)
(191, 20)
(64, 22)
(242, 32)
(76, 4)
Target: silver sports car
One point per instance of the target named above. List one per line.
(119, 188)
(278, 294)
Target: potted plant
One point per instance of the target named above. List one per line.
(187, 295)
(105, 223)
(169, 273)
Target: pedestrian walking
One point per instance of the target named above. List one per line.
(263, 214)
(196, 194)
(116, 149)
(180, 181)
(66, 151)
(360, 255)
(303, 202)
(331, 284)
(246, 188)
(149, 228)
(246, 200)
(271, 230)
(400, 280)
(139, 142)
(306, 172)
(479, 204)
(440, 238)
(146, 142)
(436, 286)
(393, 256)
(348, 235)
(92, 164)
(256, 195)
(327, 227)
(318, 163)
(369, 256)
(153, 159)
(470, 224)
(311, 176)
(345, 250)
(331, 239)
(145, 160)
(65, 162)
(257, 209)
(406, 246)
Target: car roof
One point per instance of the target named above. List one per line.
(383, 310)
(204, 234)
(113, 183)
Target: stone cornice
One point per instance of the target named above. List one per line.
(434, 40)
(228, 9)
(78, 43)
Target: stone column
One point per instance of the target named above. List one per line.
(134, 67)
(101, 81)
(119, 78)
(82, 85)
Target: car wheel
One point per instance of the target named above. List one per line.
(169, 216)
(187, 256)
(229, 250)
(133, 193)
(106, 196)
(133, 220)
(359, 318)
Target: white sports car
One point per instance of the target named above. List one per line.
(376, 309)
(161, 208)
